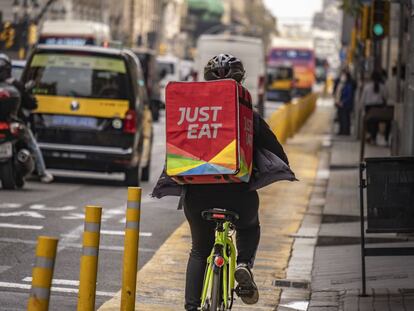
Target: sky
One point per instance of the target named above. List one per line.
(293, 11)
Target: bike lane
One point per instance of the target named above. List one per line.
(161, 281)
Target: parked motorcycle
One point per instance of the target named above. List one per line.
(16, 161)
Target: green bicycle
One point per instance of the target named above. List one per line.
(218, 289)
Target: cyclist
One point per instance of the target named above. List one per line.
(241, 198)
(28, 103)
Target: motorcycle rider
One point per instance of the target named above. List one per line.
(269, 165)
(28, 103)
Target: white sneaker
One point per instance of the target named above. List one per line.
(46, 178)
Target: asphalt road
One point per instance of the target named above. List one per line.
(57, 209)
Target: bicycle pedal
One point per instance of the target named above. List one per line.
(244, 291)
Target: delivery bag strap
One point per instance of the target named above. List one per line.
(244, 98)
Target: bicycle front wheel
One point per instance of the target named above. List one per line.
(215, 291)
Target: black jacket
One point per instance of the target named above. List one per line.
(28, 101)
(270, 164)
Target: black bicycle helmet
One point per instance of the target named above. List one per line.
(224, 66)
(5, 67)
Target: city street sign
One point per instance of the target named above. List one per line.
(390, 194)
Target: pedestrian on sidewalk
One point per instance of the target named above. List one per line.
(344, 101)
(270, 164)
(374, 95)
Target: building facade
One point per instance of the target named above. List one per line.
(173, 37)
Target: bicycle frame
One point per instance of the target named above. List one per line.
(223, 241)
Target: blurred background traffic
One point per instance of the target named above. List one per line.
(171, 29)
(99, 68)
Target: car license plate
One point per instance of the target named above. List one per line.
(5, 150)
(75, 121)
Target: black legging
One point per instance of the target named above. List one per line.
(246, 204)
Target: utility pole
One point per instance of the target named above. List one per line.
(407, 127)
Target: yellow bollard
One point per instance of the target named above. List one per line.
(295, 116)
(129, 274)
(290, 125)
(89, 259)
(42, 273)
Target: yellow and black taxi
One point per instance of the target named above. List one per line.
(280, 83)
(93, 110)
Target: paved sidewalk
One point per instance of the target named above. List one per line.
(283, 205)
(336, 276)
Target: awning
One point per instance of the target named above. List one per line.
(213, 7)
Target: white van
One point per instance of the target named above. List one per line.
(249, 50)
(168, 67)
(74, 32)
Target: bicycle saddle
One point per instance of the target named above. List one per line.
(217, 214)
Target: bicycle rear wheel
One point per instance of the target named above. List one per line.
(216, 291)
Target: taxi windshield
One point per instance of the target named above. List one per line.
(280, 73)
(78, 76)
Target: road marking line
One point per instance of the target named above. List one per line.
(10, 205)
(54, 289)
(22, 213)
(56, 281)
(42, 207)
(74, 216)
(17, 226)
(76, 245)
(107, 213)
(116, 232)
(113, 212)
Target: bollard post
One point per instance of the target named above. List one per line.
(129, 272)
(89, 259)
(42, 274)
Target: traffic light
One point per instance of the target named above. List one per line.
(380, 19)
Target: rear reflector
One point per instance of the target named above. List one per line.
(4, 93)
(219, 261)
(219, 216)
(4, 126)
(130, 122)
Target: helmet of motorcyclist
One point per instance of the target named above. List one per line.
(5, 67)
(224, 66)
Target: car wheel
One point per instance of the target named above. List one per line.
(132, 177)
(8, 176)
(20, 182)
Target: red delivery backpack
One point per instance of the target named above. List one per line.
(209, 130)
